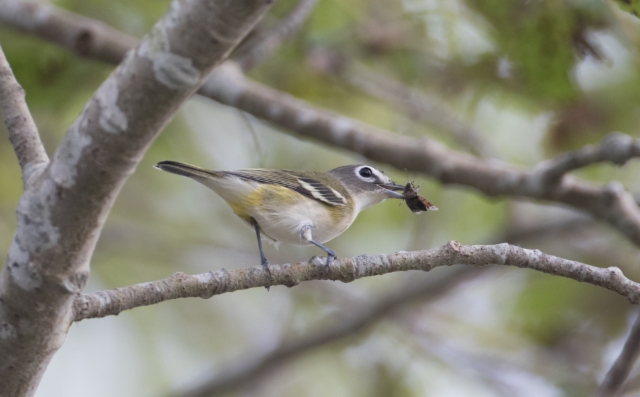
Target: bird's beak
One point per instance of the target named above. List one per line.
(390, 190)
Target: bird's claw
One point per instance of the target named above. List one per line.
(330, 258)
(265, 264)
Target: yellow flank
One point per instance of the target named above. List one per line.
(267, 197)
(264, 196)
(240, 210)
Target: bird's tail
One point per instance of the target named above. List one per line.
(183, 169)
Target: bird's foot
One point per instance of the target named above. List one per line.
(331, 256)
(265, 264)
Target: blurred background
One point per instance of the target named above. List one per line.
(517, 81)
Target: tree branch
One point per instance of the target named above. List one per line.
(266, 45)
(233, 377)
(60, 216)
(617, 375)
(83, 36)
(250, 370)
(23, 132)
(180, 285)
(615, 148)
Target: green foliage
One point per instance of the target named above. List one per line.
(631, 6)
(538, 37)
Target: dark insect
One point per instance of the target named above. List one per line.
(415, 202)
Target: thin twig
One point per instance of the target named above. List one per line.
(616, 376)
(615, 148)
(248, 372)
(270, 41)
(181, 285)
(23, 132)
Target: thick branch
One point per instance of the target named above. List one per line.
(614, 380)
(236, 376)
(23, 132)
(273, 39)
(60, 216)
(180, 285)
(84, 36)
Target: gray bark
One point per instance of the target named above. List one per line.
(60, 214)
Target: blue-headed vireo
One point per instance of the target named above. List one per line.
(296, 207)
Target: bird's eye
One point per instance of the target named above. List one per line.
(366, 172)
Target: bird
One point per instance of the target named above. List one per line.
(296, 207)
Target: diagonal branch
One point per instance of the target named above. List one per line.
(233, 377)
(60, 216)
(23, 132)
(266, 45)
(181, 285)
(616, 376)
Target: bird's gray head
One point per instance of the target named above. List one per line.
(366, 185)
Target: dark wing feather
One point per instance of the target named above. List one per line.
(302, 184)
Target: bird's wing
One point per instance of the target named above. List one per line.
(295, 181)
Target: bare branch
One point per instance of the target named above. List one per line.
(83, 36)
(60, 217)
(23, 132)
(245, 373)
(180, 285)
(250, 370)
(273, 39)
(614, 380)
(615, 148)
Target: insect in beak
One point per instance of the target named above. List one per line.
(415, 202)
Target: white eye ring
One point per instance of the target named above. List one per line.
(366, 173)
